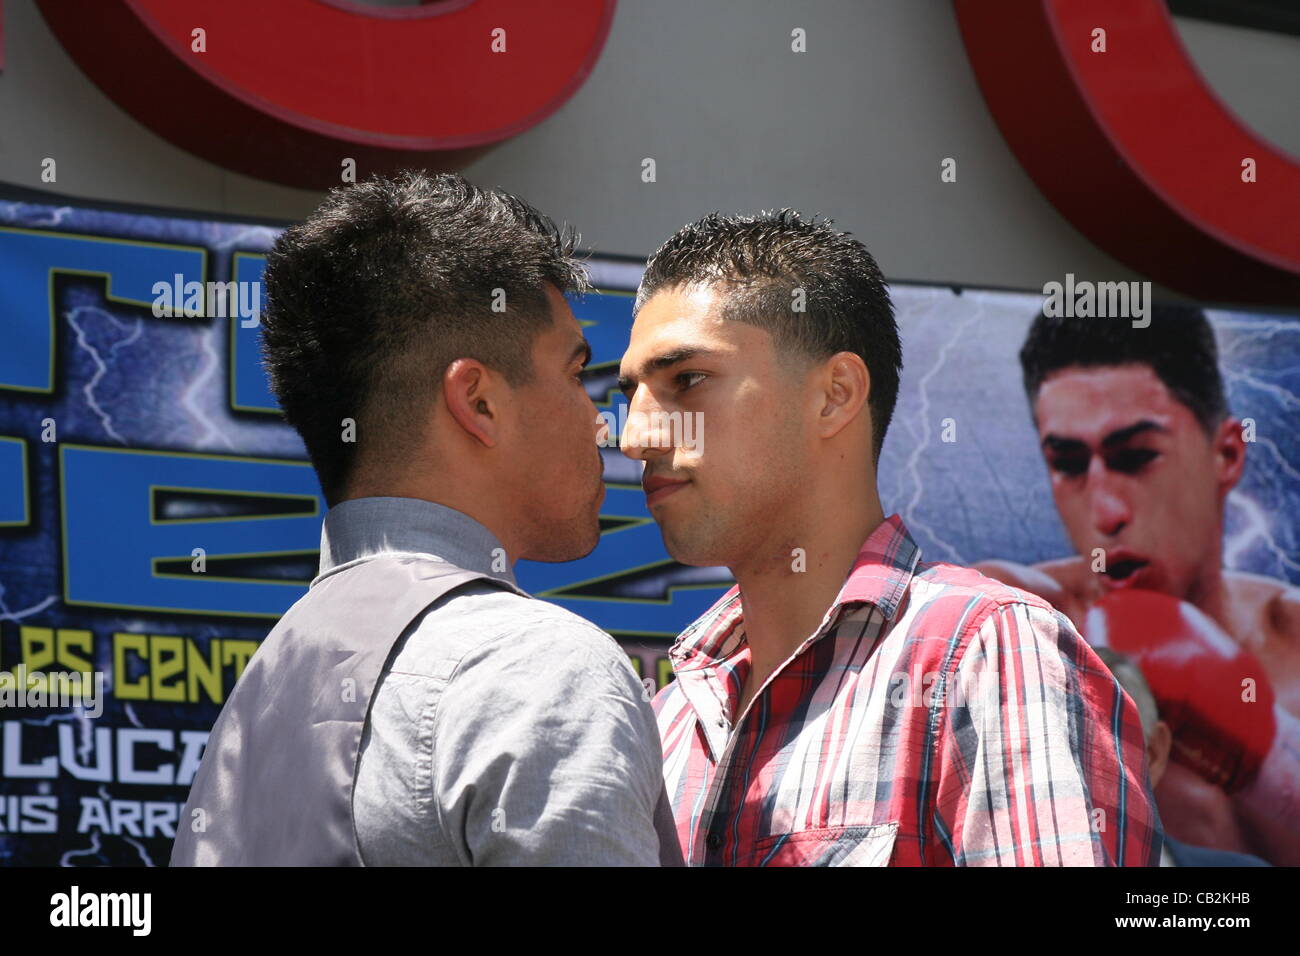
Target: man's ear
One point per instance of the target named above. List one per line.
(1159, 743)
(844, 386)
(1230, 452)
(472, 392)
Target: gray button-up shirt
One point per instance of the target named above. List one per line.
(504, 730)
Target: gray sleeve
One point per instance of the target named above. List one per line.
(546, 753)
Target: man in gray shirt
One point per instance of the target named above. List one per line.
(529, 719)
(416, 707)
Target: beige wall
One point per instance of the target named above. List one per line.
(855, 128)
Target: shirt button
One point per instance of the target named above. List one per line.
(714, 841)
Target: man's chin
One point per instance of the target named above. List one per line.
(692, 553)
(557, 549)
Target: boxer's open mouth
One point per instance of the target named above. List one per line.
(1123, 571)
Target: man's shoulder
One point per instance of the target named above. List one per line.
(484, 623)
(1058, 581)
(977, 592)
(948, 605)
(1276, 604)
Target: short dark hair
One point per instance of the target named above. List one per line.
(762, 260)
(1178, 346)
(385, 285)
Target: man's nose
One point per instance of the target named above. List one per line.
(641, 440)
(1110, 511)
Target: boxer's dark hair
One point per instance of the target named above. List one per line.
(1178, 346)
(761, 261)
(385, 285)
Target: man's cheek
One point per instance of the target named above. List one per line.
(1074, 515)
(1062, 498)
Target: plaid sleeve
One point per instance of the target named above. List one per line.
(1041, 756)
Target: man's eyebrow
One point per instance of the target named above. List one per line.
(1119, 436)
(666, 360)
(1058, 444)
(581, 349)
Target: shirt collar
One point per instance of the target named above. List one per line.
(883, 569)
(363, 528)
(880, 576)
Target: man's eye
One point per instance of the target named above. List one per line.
(1072, 465)
(1131, 460)
(690, 379)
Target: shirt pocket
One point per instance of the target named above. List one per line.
(829, 846)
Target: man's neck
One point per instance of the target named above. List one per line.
(441, 493)
(788, 588)
(1213, 598)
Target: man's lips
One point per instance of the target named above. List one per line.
(657, 488)
(1123, 570)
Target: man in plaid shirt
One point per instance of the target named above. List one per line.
(846, 703)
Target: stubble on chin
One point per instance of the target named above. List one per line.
(701, 546)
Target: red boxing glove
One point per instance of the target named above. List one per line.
(1197, 674)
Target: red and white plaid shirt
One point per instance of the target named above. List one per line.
(936, 717)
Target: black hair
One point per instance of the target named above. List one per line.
(1178, 345)
(765, 263)
(385, 285)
